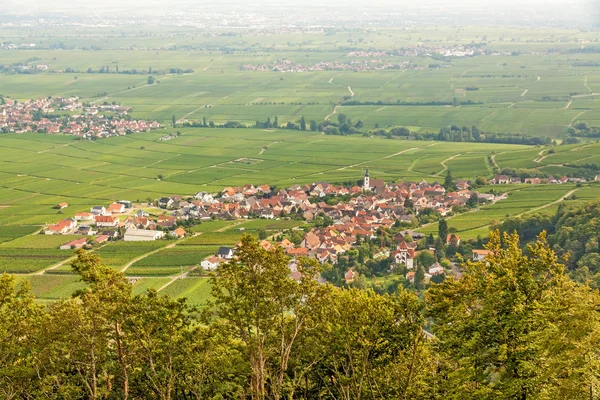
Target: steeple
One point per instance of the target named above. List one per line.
(367, 181)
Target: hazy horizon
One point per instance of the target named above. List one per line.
(587, 12)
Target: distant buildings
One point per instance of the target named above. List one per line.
(142, 235)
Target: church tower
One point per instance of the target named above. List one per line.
(367, 181)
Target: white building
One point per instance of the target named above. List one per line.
(142, 235)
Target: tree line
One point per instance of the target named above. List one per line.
(514, 327)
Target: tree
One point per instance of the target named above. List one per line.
(443, 230)
(254, 297)
(391, 359)
(449, 181)
(342, 118)
(426, 258)
(420, 277)
(204, 122)
(262, 234)
(268, 123)
(481, 181)
(276, 122)
(473, 200)
(302, 124)
(508, 313)
(150, 80)
(313, 125)
(359, 124)
(20, 323)
(173, 121)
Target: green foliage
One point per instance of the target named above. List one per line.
(505, 315)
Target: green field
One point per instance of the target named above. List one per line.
(532, 81)
(535, 81)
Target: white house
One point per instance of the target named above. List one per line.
(142, 235)
(225, 252)
(98, 210)
(436, 269)
(211, 263)
(480, 255)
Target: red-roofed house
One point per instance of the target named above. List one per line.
(350, 276)
(178, 233)
(480, 255)
(106, 221)
(75, 244)
(116, 208)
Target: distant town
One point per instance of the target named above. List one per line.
(69, 116)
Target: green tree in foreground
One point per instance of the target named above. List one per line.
(515, 327)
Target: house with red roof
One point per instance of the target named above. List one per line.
(106, 221)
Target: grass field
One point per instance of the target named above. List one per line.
(532, 81)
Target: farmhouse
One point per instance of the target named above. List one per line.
(166, 202)
(436, 269)
(98, 210)
(116, 208)
(75, 244)
(142, 235)
(178, 233)
(106, 221)
(61, 228)
(60, 206)
(211, 263)
(84, 216)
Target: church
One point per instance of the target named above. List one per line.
(373, 185)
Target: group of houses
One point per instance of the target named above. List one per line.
(113, 222)
(374, 200)
(505, 180)
(285, 65)
(364, 213)
(366, 210)
(86, 122)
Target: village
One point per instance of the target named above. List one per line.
(86, 122)
(339, 218)
(285, 65)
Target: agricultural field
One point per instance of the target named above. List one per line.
(532, 81)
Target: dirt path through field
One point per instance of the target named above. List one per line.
(444, 164)
(130, 263)
(266, 147)
(334, 112)
(547, 205)
(540, 157)
(524, 93)
(185, 274)
(577, 116)
(55, 147)
(568, 105)
(494, 161)
(385, 157)
(351, 92)
(211, 63)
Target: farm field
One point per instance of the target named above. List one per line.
(532, 81)
(39, 171)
